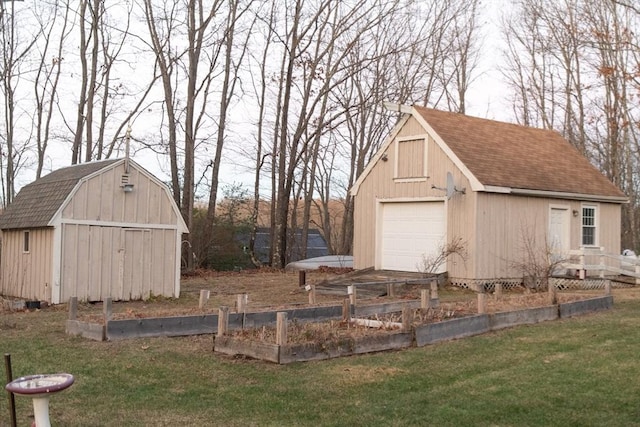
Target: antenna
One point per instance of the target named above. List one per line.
(127, 138)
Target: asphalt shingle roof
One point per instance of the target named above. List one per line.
(514, 156)
(36, 203)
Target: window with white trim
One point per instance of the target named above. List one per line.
(589, 225)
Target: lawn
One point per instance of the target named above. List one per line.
(582, 371)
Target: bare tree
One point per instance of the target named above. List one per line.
(200, 53)
(47, 78)
(229, 80)
(15, 48)
(573, 68)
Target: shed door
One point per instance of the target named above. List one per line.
(136, 264)
(558, 232)
(411, 232)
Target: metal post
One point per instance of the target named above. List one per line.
(12, 399)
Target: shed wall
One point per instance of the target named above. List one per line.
(118, 244)
(382, 186)
(146, 204)
(122, 263)
(27, 275)
(508, 224)
(494, 228)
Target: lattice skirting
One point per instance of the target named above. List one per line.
(561, 283)
(487, 285)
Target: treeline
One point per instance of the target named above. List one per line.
(292, 91)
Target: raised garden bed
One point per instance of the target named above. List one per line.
(427, 331)
(259, 343)
(304, 352)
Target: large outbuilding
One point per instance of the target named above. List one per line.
(92, 231)
(499, 191)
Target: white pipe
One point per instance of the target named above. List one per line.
(41, 411)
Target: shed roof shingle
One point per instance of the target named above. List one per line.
(36, 203)
(514, 156)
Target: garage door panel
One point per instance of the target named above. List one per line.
(411, 231)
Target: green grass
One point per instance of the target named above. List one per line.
(579, 372)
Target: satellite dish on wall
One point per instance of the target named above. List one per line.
(451, 187)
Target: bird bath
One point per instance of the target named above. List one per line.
(40, 388)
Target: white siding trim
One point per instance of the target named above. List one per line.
(182, 226)
(569, 196)
(596, 235)
(178, 262)
(383, 148)
(396, 149)
(118, 224)
(476, 185)
(410, 179)
(497, 189)
(379, 220)
(566, 231)
(412, 199)
(56, 258)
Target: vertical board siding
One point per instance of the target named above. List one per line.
(124, 264)
(411, 158)
(100, 261)
(148, 203)
(129, 253)
(27, 275)
(609, 226)
(494, 228)
(507, 224)
(381, 186)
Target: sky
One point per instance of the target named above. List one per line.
(486, 98)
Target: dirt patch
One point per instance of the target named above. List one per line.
(338, 331)
(275, 289)
(357, 374)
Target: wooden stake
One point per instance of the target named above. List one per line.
(302, 278)
(223, 320)
(482, 303)
(390, 290)
(351, 290)
(281, 328)
(434, 289)
(346, 310)
(241, 303)
(435, 300)
(107, 309)
(204, 297)
(498, 291)
(553, 295)
(424, 299)
(407, 318)
(73, 308)
(312, 294)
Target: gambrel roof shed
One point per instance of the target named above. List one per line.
(93, 230)
(443, 177)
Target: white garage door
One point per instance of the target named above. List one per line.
(411, 231)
